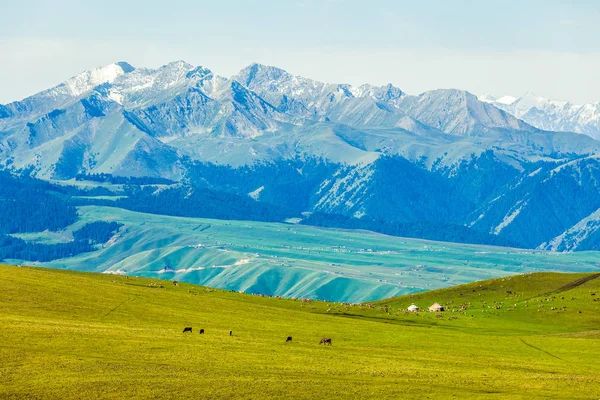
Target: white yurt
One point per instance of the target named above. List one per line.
(413, 308)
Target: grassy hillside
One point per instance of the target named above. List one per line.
(78, 335)
(294, 260)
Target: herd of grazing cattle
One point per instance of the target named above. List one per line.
(289, 338)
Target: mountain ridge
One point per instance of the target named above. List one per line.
(405, 159)
(552, 114)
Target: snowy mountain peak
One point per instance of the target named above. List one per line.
(145, 86)
(519, 106)
(64, 93)
(552, 114)
(506, 100)
(199, 73)
(487, 98)
(259, 73)
(177, 65)
(532, 100)
(87, 80)
(385, 93)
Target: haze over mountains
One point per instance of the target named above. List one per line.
(442, 164)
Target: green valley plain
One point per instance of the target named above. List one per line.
(294, 260)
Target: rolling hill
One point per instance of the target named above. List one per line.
(114, 337)
(291, 260)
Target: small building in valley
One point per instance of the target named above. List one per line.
(413, 308)
(436, 307)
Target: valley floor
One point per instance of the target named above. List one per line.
(78, 335)
(293, 260)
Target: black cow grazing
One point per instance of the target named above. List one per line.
(325, 341)
(230, 332)
(289, 339)
(202, 331)
(187, 329)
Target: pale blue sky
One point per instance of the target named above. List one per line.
(547, 47)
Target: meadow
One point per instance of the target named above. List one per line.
(73, 335)
(293, 260)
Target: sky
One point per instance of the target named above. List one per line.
(509, 47)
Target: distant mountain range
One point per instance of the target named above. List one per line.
(443, 164)
(552, 115)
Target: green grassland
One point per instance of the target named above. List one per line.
(294, 260)
(78, 335)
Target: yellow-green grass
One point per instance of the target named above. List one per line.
(79, 335)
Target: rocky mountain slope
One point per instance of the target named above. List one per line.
(375, 154)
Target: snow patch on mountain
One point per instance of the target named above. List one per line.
(510, 217)
(144, 87)
(487, 98)
(347, 190)
(62, 95)
(84, 82)
(551, 114)
(255, 194)
(574, 236)
(506, 100)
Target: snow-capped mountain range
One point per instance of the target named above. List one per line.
(550, 114)
(517, 169)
